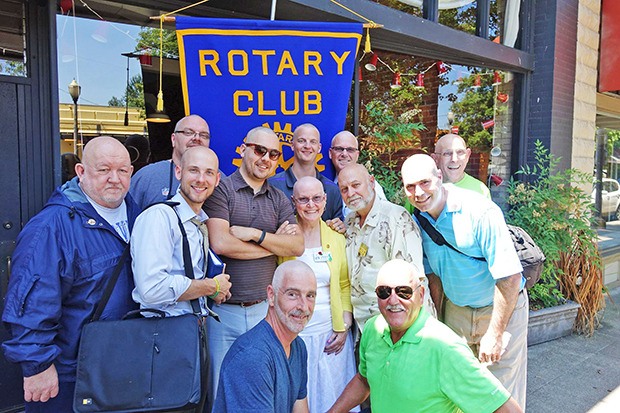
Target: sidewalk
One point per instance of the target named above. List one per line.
(576, 374)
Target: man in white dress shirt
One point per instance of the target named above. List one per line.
(157, 244)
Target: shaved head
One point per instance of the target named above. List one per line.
(105, 171)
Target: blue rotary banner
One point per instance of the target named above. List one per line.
(239, 74)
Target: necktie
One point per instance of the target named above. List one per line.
(202, 227)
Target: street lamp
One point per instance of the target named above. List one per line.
(74, 91)
(450, 118)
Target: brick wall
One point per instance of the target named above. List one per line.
(553, 81)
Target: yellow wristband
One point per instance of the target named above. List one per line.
(217, 288)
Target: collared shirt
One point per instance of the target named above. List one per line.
(388, 233)
(157, 256)
(430, 369)
(235, 201)
(473, 184)
(475, 226)
(285, 180)
(153, 183)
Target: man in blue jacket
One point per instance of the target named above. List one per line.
(61, 264)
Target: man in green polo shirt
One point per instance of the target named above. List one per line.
(410, 362)
(451, 156)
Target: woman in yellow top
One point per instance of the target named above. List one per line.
(331, 363)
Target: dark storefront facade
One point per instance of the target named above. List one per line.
(533, 44)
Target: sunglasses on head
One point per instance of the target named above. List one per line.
(260, 150)
(402, 291)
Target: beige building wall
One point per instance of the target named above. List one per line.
(584, 120)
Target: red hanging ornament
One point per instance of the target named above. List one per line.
(488, 124)
(420, 80)
(441, 67)
(146, 59)
(372, 63)
(497, 79)
(502, 97)
(395, 81)
(65, 5)
(477, 82)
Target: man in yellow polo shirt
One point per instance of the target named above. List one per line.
(410, 362)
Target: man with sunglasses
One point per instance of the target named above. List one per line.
(306, 145)
(250, 224)
(157, 182)
(484, 299)
(410, 362)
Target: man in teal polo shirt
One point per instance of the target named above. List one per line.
(410, 362)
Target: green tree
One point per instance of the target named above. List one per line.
(148, 38)
(134, 94)
(12, 68)
(475, 107)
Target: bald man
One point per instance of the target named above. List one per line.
(377, 231)
(157, 182)
(306, 146)
(62, 261)
(344, 151)
(157, 248)
(250, 224)
(483, 300)
(265, 369)
(451, 156)
(410, 362)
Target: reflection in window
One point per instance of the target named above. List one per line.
(503, 23)
(13, 38)
(408, 102)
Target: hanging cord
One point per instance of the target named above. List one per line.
(371, 23)
(183, 8)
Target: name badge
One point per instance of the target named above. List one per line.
(363, 250)
(321, 256)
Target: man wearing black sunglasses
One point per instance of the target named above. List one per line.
(157, 182)
(250, 223)
(410, 362)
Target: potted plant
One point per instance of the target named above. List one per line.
(554, 209)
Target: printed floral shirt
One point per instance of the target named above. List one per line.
(388, 233)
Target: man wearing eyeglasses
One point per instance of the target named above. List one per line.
(344, 151)
(306, 145)
(483, 300)
(157, 182)
(250, 224)
(451, 155)
(410, 362)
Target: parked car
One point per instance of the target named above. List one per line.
(610, 205)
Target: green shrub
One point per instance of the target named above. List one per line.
(552, 208)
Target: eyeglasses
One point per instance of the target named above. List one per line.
(190, 133)
(305, 200)
(448, 154)
(260, 150)
(340, 149)
(402, 291)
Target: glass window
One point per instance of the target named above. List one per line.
(13, 38)
(408, 102)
